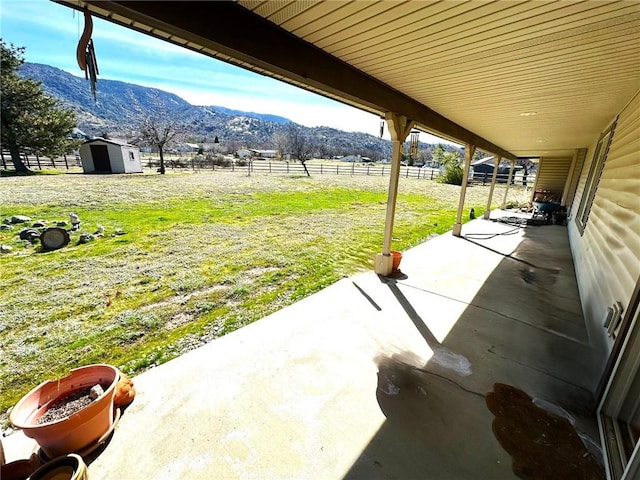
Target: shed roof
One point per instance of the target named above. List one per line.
(110, 141)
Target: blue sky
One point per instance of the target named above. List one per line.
(50, 33)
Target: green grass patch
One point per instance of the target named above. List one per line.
(182, 259)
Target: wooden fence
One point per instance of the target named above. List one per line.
(40, 163)
(265, 167)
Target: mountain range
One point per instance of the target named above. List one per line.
(120, 108)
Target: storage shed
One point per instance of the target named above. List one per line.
(109, 156)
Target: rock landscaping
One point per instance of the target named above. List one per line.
(57, 233)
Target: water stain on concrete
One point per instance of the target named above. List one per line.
(543, 446)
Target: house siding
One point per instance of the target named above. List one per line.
(607, 254)
(575, 172)
(552, 174)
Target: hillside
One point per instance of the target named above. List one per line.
(121, 106)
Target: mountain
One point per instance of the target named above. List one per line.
(120, 108)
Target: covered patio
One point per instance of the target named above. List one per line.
(382, 377)
(373, 377)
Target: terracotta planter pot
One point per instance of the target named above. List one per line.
(71, 467)
(397, 257)
(78, 430)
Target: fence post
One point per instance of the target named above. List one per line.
(320, 169)
(431, 173)
(4, 164)
(367, 169)
(269, 166)
(407, 175)
(353, 166)
(66, 164)
(337, 169)
(53, 163)
(287, 167)
(26, 157)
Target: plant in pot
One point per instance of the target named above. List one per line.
(78, 430)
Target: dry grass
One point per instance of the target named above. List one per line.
(202, 254)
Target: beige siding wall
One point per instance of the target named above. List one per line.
(552, 174)
(574, 176)
(607, 254)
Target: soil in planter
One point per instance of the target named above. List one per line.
(67, 405)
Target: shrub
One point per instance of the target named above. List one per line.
(453, 171)
(219, 160)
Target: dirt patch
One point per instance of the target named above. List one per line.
(543, 446)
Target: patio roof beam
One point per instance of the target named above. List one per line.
(241, 37)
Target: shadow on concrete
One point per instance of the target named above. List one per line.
(523, 327)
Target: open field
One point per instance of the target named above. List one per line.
(196, 256)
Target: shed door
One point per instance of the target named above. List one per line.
(100, 156)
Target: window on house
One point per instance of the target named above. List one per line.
(131, 156)
(593, 179)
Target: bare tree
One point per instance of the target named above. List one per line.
(299, 145)
(159, 129)
(280, 140)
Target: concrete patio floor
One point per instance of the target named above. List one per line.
(372, 377)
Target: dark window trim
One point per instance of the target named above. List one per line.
(593, 179)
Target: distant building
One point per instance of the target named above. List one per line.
(109, 156)
(243, 153)
(263, 154)
(188, 147)
(482, 169)
(78, 134)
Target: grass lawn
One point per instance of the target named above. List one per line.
(196, 256)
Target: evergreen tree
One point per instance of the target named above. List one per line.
(31, 121)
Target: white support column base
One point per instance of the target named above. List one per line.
(487, 215)
(457, 229)
(384, 264)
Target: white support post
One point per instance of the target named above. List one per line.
(468, 155)
(487, 212)
(567, 183)
(506, 192)
(399, 128)
(535, 184)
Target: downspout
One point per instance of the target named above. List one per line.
(468, 155)
(399, 128)
(506, 192)
(487, 212)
